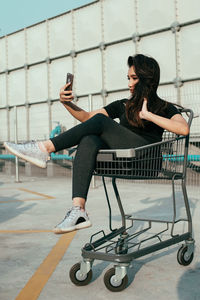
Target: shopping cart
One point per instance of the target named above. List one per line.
(165, 160)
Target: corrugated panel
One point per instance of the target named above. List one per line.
(190, 51)
(116, 68)
(88, 72)
(97, 102)
(37, 43)
(188, 10)
(60, 35)
(2, 90)
(39, 124)
(16, 50)
(161, 47)
(58, 71)
(87, 26)
(118, 19)
(16, 87)
(190, 94)
(155, 14)
(117, 96)
(4, 127)
(3, 63)
(37, 83)
(83, 102)
(168, 93)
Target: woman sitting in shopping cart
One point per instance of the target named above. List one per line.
(143, 117)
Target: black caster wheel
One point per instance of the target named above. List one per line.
(111, 284)
(77, 278)
(183, 258)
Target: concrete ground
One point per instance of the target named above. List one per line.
(35, 263)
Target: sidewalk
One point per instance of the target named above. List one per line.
(28, 249)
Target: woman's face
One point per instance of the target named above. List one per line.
(132, 79)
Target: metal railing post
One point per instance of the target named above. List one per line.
(16, 139)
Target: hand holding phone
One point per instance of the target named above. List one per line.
(65, 92)
(69, 79)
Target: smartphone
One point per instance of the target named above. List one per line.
(69, 78)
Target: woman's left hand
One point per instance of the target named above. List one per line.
(143, 114)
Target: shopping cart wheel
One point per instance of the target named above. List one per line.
(113, 285)
(77, 278)
(183, 258)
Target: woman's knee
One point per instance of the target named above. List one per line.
(91, 142)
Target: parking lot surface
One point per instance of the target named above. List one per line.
(35, 263)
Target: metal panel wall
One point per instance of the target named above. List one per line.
(118, 19)
(187, 10)
(161, 47)
(58, 70)
(189, 51)
(190, 96)
(37, 43)
(87, 27)
(16, 50)
(16, 87)
(61, 116)
(168, 92)
(93, 42)
(116, 65)
(21, 124)
(116, 96)
(39, 121)
(60, 35)
(155, 14)
(3, 90)
(4, 127)
(3, 54)
(37, 83)
(88, 77)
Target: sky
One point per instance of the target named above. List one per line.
(17, 14)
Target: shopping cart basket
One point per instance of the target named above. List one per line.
(165, 160)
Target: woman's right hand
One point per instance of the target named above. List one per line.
(65, 96)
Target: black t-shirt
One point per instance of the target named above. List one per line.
(151, 131)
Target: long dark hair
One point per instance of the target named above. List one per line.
(148, 73)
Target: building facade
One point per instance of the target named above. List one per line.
(93, 42)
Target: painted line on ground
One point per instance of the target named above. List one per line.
(37, 282)
(24, 200)
(36, 193)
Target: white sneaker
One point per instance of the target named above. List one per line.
(75, 219)
(28, 151)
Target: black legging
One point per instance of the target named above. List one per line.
(99, 132)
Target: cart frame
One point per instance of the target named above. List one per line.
(165, 160)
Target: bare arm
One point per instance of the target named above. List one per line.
(176, 124)
(78, 113)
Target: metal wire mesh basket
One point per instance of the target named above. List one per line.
(159, 160)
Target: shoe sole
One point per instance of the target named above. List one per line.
(73, 228)
(34, 161)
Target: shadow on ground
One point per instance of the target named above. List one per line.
(189, 284)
